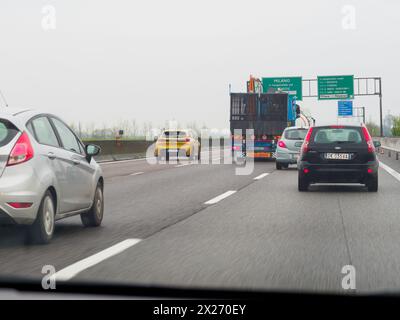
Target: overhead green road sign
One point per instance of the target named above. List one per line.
(335, 87)
(292, 85)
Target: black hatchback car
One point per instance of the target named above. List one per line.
(338, 154)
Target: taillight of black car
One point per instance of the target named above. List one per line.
(306, 143)
(368, 139)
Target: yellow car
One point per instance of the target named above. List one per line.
(178, 143)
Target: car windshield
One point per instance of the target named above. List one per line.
(205, 144)
(337, 135)
(295, 134)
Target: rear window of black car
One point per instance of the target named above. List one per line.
(337, 135)
(7, 132)
(295, 134)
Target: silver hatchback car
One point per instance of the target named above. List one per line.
(46, 174)
(288, 147)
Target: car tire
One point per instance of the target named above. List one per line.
(372, 184)
(278, 166)
(303, 184)
(42, 230)
(94, 216)
(191, 156)
(199, 155)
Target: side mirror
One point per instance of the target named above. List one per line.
(377, 144)
(91, 151)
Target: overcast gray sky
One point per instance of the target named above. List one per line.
(159, 60)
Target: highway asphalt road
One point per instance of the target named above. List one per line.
(205, 226)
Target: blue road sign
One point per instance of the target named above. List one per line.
(345, 108)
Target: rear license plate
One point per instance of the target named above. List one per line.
(172, 150)
(338, 156)
(298, 144)
(262, 155)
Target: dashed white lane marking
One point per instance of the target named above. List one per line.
(261, 176)
(220, 197)
(136, 173)
(124, 161)
(184, 165)
(389, 170)
(213, 161)
(72, 270)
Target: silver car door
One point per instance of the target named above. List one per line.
(79, 175)
(49, 147)
(87, 176)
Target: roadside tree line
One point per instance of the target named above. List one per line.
(132, 130)
(391, 126)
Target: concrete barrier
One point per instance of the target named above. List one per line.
(390, 147)
(390, 142)
(113, 150)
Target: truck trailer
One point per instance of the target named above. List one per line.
(268, 114)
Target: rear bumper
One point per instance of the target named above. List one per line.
(162, 150)
(345, 173)
(286, 156)
(286, 161)
(19, 184)
(9, 215)
(290, 158)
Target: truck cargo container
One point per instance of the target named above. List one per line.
(268, 114)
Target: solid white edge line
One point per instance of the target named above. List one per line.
(389, 170)
(136, 173)
(220, 197)
(72, 270)
(261, 176)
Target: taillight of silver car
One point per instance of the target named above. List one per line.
(22, 151)
(282, 144)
